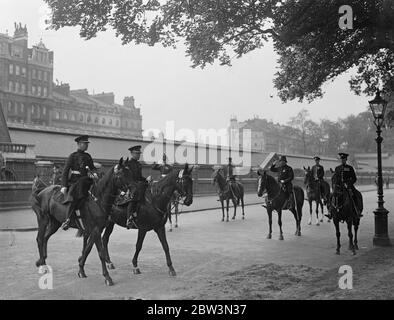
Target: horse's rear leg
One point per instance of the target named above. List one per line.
(138, 247)
(280, 225)
(243, 207)
(176, 214)
(101, 253)
(322, 211)
(161, 233)
(355, 236)
(105, 239)
(222, 202)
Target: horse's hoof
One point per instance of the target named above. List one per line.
(176, 226)
(109, 282)
(309, 223)
(299, 233)
(233, 218)
(329, 220)
(354, 252)
(82, 274)
(39, 263)
(169, 230)
(172, 273)
(243, 218)
(356, 247)
(317, 224)
(136, 271)
(227, 220)
(110, 266)
(321, 220)
(281, 238)
(337, 253)
(223, 220)
(269, 237)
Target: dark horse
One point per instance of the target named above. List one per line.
(226, 191)
(275, 200)
(153, 213)
(316, 192)
(343, 209)
(51, 213)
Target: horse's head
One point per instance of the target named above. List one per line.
(122, 174)
(216, 176)
(184, 184)
(308, 175)
(262, 182)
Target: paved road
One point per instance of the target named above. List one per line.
(203, 250)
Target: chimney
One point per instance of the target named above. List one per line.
(63, 89)
(129, 102)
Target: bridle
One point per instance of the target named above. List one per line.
(180, 181)
(265, 192)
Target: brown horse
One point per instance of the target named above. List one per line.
(51, 213)
(153, 213)
(316, 192)
(275, 200)
(229, 190)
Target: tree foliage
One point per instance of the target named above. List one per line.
(312, 48)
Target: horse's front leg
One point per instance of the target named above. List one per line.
(161, 233)
(222, 202)
(280, 224)
(235, 207)
(88, 242)
(338, 234)
(102, 255)
(355, 235)
(227, 208)
(176, 214)
(269, 211)
(322, 211)
(310, 212)
(350, 235)
(138, 247)
(105, 239)
(317, 212)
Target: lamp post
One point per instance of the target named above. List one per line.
(378, 107)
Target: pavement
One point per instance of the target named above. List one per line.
(203, 249)
(25, 220)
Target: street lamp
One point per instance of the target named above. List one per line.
(378, 107)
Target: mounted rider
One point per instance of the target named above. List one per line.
(77, 178)
(346, 178)
(138, 185)
(231, 177)
(164, 168)
(285, 178)
(318, 174)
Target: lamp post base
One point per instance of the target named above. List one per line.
(381, 238)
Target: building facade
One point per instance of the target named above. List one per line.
(266, 136)
(29, 97)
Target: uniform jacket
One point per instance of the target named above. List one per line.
(286, 173)
(163, 168)
(77, 161)
(136, 169)
(318, 172)
(346, 174)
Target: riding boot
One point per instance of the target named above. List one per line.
(132, 216)
(70, 210)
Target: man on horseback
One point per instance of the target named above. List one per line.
(346, 178)
(318, 174)
(138, 185)
(285, 178)
(77, 178)
(164, 168)
(230, 176)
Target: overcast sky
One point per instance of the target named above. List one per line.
(163, 83)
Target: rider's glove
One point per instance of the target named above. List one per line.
(63, 190)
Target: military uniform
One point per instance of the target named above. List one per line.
(164, 168)
(285, 177)
(318, 175)
(138, 185)
(76, 180)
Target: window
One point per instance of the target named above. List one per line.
(10, 86)
(23, 72)
(23, 88)
(57, 116)
(17, 70)
(103, 121)
(44, 110)
(110, 122)
(33, 90)
(9, 106)
(117, 123)
(17, 87)
(45, 92)
(11, 69)
(89, 119)
(22, 108)
(81, 118)
(39, 74)
(33, 74)
(74, 117)
(65, 116)
(38, 91)
(45, 76)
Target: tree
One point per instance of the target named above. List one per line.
(300, 122)
(305, 33)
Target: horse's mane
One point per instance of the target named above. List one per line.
(104, 184)
(158, 187)
(221, 181)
